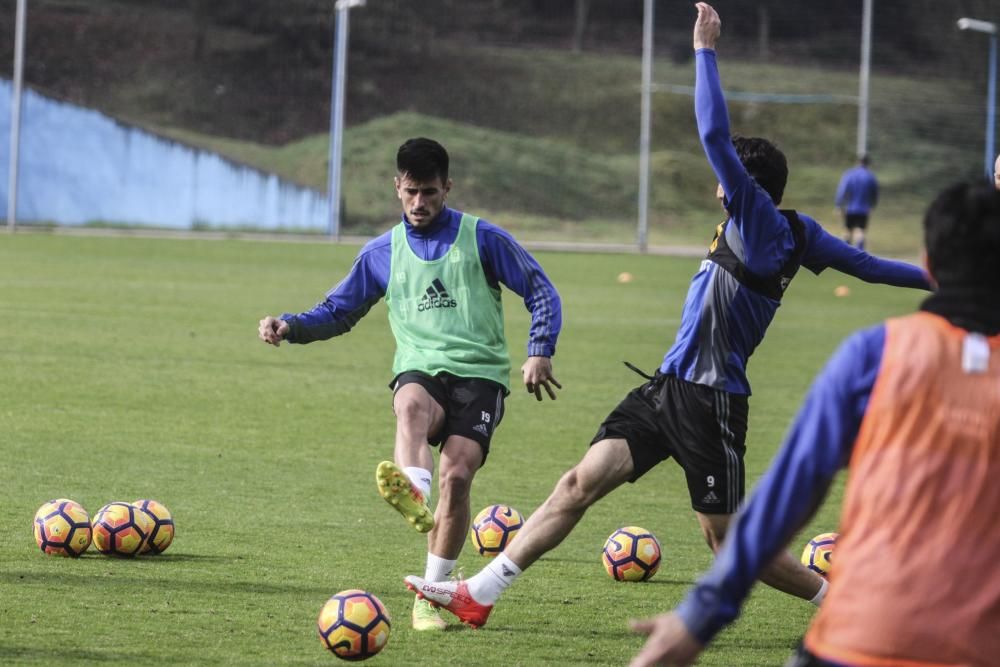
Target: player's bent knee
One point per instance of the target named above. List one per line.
(409, 408)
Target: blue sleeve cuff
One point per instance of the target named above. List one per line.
(702, 613)
(541, 350)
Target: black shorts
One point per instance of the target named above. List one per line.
(856, 220)
(473, 407)
(704, 429)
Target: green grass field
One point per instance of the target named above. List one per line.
(131, 368)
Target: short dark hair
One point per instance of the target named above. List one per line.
(422, 160)
(962, 236)
(864, 159)
(765, 163)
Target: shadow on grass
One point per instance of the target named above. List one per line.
(100, 581)
(656, 580)
(565, 559)
(60, 655)
(182, 557)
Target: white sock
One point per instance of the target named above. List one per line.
(818, 598)
(486, 586)
(438, 569)
(420, 478)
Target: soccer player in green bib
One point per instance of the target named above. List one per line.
(440, 272)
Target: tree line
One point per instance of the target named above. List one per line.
(908, 33)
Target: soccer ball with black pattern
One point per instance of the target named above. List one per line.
(121, 529)
(163, 526)
(354, 625)
(818, 553)
(494, 528)
(62, 528)
(631, 554)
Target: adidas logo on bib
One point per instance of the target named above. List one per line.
(711, 498)
(436, 296)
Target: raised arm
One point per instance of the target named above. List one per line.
(765, 233)
(710, 104)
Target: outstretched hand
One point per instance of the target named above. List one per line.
(537, 373)
(272, 330)
(707, 27)
(670, 643)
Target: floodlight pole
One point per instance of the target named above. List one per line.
(991, 86)
(644, 124)
(864, 78)
(15, 116)
(337, 94)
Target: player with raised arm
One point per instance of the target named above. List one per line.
(440, 271)
(695, 408)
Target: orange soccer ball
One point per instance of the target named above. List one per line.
(62, 528)
(121, 529)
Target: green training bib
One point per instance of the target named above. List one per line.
(444, 314)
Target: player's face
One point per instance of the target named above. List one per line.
(996, 174)
(422, 200)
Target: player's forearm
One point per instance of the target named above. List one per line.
(873, 269)
(321, 323)
(346, 303)
(713, 122)
(546, 322)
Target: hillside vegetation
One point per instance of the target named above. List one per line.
(544, 140)
(566, 162)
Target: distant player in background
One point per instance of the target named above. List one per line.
(440, 271)
(857, 195)
(695, 408)
(912, 407)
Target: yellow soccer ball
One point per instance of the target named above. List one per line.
(818, 553)
(354, 625)
(631, 554)
(121, 529)
(62, 528)
(494, 528)
(163, 526)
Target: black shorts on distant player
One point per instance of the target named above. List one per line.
(856, 220)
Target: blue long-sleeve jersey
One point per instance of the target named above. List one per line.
(723, 321)
(857, 192)
(817, 447)
(503, 259)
